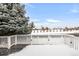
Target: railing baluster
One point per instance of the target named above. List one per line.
(9, 42)
(15, 39)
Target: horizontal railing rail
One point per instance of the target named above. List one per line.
(8, 41)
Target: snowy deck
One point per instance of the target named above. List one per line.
(47, 50)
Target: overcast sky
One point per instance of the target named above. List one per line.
(53, 14)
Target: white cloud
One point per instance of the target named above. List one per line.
(53, 25)
(53, 21)
(37, 25)
(75, 11)
(35, 20)
(40, 24)
(47, 23)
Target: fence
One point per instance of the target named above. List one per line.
(3, 41)
(23, 39)
(8, 41)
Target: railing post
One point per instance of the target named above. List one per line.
(31, 40)
(15, 39)
(38, 39)
(9, 42)
(48, 39)
(76, 44)
(62, 38)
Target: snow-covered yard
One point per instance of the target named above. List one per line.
(47, 50)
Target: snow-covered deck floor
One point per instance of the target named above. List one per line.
(47, 50)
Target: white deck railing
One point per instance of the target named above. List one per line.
(23, 39)
(3, 41)
(8, 41)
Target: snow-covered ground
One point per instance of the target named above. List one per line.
(47, 50)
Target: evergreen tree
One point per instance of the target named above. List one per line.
(12, 19)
